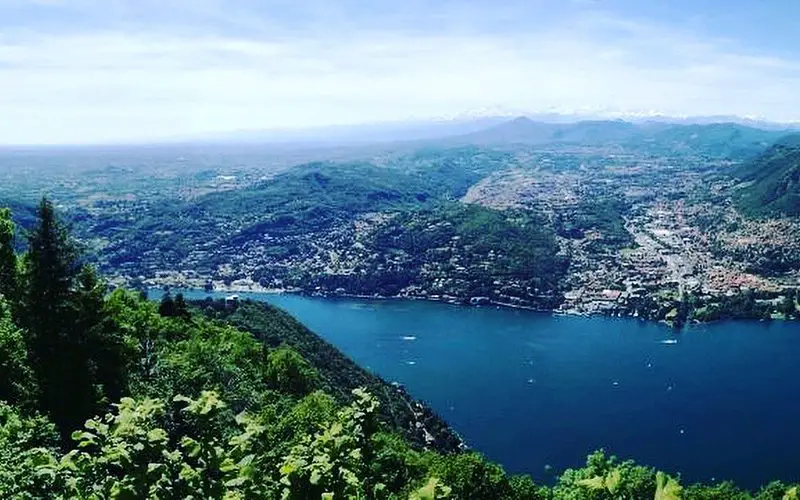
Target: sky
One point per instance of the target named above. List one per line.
(98, 71)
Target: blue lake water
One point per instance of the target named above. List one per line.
(535, 391)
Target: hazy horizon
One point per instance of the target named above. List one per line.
(91, 71)
(419, 131)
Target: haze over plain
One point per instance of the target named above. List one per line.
(89, 71)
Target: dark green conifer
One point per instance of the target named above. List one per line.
(58, 344)
(106, 349)
(17, 382)
(167, 306)
(181, 309)
(8, 260)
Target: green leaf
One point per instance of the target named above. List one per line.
(667, 488)
(187, 473)
(432, 490)
(84, 438)
(288, 469)
(613, 480)
(157, 435)
(236, 482)
(191, 446)
(594, 483)
(155, 467)
(246, 461)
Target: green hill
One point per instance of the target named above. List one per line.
(285, 212)
(771, 182)
(716, 140)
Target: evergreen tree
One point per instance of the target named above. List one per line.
(181, 309)
(167, 306)
(17, 383)
(51, 269)
(57, 346)
(174, 308)
(106, 350)
(8, 260)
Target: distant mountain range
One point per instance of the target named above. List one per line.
(773, 180)
(735, 137)
(718, 140)
(523, 130)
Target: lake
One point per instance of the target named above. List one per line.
(537, 392)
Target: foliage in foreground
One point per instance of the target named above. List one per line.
(213, 412)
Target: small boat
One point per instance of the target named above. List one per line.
(409, 337)
(669, 341)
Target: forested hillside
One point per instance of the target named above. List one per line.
(289, 209)
(461, 251)
(773, 181)
(113, 396)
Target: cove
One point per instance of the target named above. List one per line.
(537, 392)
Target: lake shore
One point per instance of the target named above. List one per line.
(571, 312)
(332, 295)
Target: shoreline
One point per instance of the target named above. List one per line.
(299, 291)
(454, 302)
(451, 301)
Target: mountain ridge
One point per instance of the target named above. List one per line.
(438, 128)
(720, 140)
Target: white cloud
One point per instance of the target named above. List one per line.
(141, 84)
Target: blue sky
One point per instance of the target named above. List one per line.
(80, 71)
